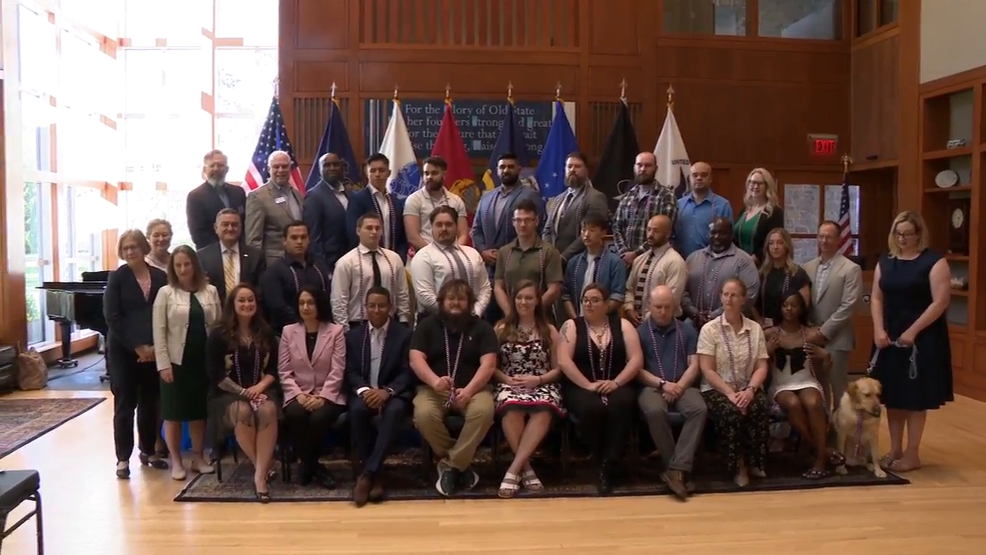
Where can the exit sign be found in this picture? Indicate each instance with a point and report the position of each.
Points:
(823, 146)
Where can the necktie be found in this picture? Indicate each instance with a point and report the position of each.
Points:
(561, 209)
(229, 271)
(377, 277)
(460, 270)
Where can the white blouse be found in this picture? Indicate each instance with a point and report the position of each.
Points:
(736, 354)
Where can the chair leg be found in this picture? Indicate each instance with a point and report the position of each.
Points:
(495, 450)
(39, 522)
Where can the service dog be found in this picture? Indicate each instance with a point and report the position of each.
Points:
(857, 426)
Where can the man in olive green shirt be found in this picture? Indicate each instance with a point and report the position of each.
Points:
(527, 258)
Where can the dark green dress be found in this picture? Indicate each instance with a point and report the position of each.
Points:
(184, 399)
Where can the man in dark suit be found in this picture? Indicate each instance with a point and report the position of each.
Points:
(380, 379)
(228, 262)
(374, 199)
(567, 210)
(205, 201)
(325, 212)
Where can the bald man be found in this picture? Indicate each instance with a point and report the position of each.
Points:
(662, 265)
(646, 199)
(670, 371)
(697, 209)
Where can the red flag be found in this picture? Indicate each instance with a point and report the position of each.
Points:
(459, 178)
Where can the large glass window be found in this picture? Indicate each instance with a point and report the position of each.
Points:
(800, 19)
(713, 17)
(80, 243)
(255, 21)
(38, 260)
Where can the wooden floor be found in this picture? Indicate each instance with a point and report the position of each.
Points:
(88, 511)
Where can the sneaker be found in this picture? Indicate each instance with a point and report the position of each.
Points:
(448, 479)
(468, 479)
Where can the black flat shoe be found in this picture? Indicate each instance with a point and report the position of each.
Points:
(262, 496)
(156, 462)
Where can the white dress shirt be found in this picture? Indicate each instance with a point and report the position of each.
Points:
(434, 265)
(349, 292)
(382, 201)
(377, 337)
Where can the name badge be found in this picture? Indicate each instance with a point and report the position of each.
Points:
(280, 200)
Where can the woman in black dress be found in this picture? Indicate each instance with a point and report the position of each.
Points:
(600, 356)
(242, 367)
(911, 292)
(779, 277)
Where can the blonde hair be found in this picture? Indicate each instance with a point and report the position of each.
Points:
(156, 222)
(138, 236)
(790, 267)
(907, 217)
(770, 190)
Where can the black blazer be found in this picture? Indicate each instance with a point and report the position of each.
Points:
(127, 312)
(764, 226)
(326, 220)
(361, 202)
(395, 369)
(201, 207)
(252, 266)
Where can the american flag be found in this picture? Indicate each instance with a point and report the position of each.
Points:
(272, 137)
(845, 224)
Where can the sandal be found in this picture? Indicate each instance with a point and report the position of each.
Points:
(816, 474)
(836, 458)
(531, 481)
(887, 460)
(509, 486)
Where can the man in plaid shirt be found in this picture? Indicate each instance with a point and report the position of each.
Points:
(646, 199)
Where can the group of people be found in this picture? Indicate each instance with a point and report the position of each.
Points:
(333, 303)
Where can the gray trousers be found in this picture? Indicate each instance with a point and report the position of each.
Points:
(838, 379)
(655, 409)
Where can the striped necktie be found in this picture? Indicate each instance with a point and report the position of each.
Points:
(229, 271)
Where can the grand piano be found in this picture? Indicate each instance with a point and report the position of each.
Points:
(76, 302)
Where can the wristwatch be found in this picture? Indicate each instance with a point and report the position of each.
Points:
(390, 391)
(661, 383)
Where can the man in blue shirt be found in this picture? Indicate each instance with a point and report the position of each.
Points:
(670, 372)
(596, 264)
(697, 210)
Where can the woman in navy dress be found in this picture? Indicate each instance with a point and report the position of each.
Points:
(911, 291)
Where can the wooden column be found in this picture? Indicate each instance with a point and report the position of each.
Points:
(909, 103)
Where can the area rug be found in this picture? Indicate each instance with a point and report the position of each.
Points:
(25, 420)
(406, 482)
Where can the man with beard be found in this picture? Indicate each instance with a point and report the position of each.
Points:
(454, 355)
(285, 278)
(444, 260)
(374, 199)
(662, 265)
(646, 199)
(325, 211)
(420, 205)
(566, 211)
(710, 267)
(204, 202)
(271, 207)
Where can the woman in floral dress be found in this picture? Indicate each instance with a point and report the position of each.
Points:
(527, 394)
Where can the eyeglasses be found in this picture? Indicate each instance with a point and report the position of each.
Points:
(907, 235)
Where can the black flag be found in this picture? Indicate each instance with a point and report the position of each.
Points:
(614, 176)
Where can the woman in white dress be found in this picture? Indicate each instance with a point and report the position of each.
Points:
(795, 367)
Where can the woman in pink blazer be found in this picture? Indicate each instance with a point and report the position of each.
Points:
(312, 364)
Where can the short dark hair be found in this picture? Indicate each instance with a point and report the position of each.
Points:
(832, 223)
(436, 161)
(378, 157)
(578, 155)
(368, 216)
(526, 205)
(379, 290)
(323, 308)
(593, 219)
(507, 156)
(597, 287)
(443, 209)
(295, 223)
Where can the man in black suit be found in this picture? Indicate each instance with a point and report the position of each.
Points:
(228, 262)
(374, 199)
(325, 211)
(380, 380)
(205, 201)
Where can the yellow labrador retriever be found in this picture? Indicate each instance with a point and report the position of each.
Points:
(857, 426)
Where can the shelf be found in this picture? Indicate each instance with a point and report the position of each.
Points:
(947, 153)
(956, 189)
(948, 117)
(957, 257)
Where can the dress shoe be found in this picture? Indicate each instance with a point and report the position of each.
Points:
(377, 492)
(675, 482)
(605, 481)
(361, 491)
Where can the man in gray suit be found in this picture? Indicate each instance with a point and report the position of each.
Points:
(566, 211)
(836, 283)
(271, 207)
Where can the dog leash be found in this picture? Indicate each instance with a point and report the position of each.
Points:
(912, 370)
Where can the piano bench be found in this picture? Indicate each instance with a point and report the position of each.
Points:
(16, 487)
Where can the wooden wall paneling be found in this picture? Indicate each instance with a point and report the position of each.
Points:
(908, 98)
(975, 385)
(875, 111)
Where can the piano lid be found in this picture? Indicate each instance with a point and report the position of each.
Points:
(84, 287)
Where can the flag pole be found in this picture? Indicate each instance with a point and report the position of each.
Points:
(846, 162)
(277, 87)
(670, 98)
(396, 96)
(558, 92)
(510, 92)
(448, 93)
(623, 90)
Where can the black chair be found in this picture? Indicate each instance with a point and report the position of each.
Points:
(455, 423)
(16, 487)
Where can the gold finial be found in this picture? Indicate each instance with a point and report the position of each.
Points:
(846, 162)
(623, 90)
(277, 86)
(558, 91)
(396, 88)
(332, 90)
(510, 91)
(448, 92)
(670, 96)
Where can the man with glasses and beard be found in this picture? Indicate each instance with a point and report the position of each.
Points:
(646, 199)
(204, 202)
(421, 203)
(325, 211)
(454, 355)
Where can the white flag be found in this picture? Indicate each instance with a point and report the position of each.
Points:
(396, 145)
(673, 165)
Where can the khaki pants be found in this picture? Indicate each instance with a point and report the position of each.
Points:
(429, 419)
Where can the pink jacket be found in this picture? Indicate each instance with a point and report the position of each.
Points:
(323, 374)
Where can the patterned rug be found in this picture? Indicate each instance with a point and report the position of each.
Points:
(405, 480)
(25, 420)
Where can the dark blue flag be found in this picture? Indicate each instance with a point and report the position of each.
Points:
(335, 139)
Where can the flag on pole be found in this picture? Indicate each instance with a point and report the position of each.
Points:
(459, 177)
(335, 139)
(550, 171)
(845, 222)
(510, 141)
(273, 137)
(396, 145)
(614, 176)
(673, 164)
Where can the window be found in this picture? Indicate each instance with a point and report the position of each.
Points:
(718, 17)
(179, 22)
(888, 12)
(83, 70)
(102, 15)
(38, 259)
(865, 16)
(38, 55)
(255, 21)
(806, 206)
(800, 19)
(37, 115)
(186, 77)
(80, 232)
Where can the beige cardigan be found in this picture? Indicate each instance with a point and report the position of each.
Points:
(170, 319)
